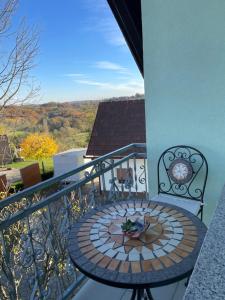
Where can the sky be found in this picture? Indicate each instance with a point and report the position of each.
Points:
(83, 55)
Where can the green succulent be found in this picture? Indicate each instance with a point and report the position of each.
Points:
(129, 226)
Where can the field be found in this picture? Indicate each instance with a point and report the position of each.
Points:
(48, 165)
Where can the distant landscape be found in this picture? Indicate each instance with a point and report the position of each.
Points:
(69, 123)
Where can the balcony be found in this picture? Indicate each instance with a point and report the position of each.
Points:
(35, 224)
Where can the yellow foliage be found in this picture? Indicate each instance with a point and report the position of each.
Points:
(38, 146)
(3, 130)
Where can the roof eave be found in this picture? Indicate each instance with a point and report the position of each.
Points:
(129, 21)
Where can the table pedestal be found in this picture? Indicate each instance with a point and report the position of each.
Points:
(141, 294)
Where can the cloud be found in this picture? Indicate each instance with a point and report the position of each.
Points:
(132, 86)
(103, 21)
(108, 65)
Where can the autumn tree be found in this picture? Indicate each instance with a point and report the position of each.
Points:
(18, 50)
(38, 146)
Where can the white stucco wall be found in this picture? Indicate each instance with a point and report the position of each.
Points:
(184, 66)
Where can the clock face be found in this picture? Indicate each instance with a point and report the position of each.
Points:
(180, 171)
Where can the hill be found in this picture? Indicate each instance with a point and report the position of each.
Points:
(69, 123)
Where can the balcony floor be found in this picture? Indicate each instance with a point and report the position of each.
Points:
(96, 291)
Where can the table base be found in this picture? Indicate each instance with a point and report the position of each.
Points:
(141, 294)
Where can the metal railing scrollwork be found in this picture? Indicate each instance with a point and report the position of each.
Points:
(35, 223)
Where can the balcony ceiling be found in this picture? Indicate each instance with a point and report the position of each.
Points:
(128, 16)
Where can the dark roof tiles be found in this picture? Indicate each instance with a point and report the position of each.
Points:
(117, 124)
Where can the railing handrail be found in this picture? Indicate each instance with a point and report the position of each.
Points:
(54, 197)
(42, 185)
(37, 224)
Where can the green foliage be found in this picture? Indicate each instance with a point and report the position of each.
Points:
(48, 163)
(70, 124)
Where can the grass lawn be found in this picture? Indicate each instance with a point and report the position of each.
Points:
(48, 165)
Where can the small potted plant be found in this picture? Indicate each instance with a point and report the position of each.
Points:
(132, 229)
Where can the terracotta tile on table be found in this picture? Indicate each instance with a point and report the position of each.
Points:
(133, 243)
(185, 223)
(85, 243)
(180, 252)
(185, 247)
(149, 246)
(87, 225)
(177, 259)
(124, 267)
(189, 243)
(83, 238)
(190, 232)
(87, 248)
(172, 212)
(146, 265)
(117, 238)
(83, 233)
(104, 262)
(91, 253)
(156, 264)
(135, 267)
(84, 229)
(187, 227)
(178, 215)
(190, 238)
(127, 249)
(97, 258)
(180, 219)
(113, 264)
(166, 261)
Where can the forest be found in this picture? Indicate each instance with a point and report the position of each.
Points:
(69, 123)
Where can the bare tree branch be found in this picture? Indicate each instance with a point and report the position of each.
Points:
(16, 84)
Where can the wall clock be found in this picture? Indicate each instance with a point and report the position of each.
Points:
(180, 171)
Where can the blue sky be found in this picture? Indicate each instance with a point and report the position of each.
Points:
(83, 54)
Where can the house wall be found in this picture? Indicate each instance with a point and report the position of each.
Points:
(184, 66)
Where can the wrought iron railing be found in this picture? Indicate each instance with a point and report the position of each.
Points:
(34, 223)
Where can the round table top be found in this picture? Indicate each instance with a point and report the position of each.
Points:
(165, 253)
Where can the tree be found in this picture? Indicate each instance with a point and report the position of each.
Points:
(16, 57)
(38, 146)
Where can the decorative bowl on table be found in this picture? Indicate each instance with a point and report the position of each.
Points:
(133, 229)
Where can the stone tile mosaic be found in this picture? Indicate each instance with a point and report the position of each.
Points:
(169, 238)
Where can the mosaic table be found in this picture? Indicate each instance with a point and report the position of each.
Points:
(164, 254)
